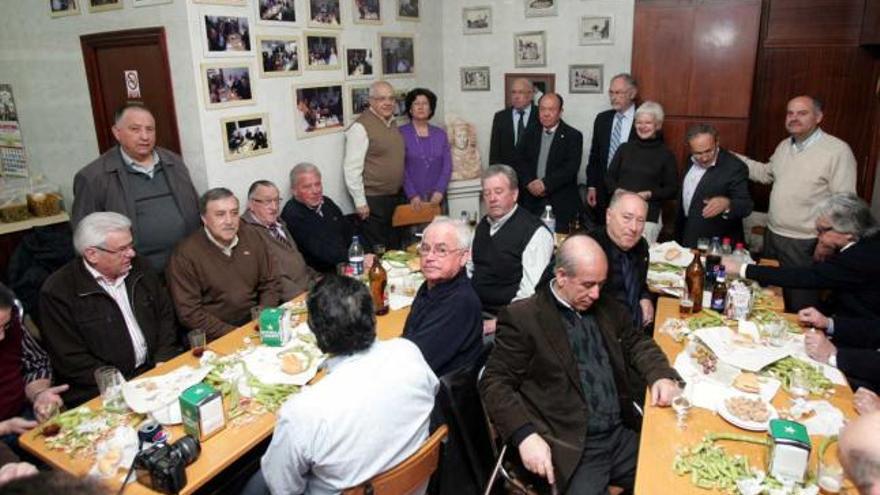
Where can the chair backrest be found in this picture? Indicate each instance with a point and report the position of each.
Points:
(409, 475)
(407, 215)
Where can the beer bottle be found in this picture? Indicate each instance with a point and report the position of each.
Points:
(379, 285)
(694, 277)
(719, 292)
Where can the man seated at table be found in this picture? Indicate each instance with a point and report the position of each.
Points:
(294, 276)
(26, 389)
(511, 247)
(106, 307)
(445, 319)
(847, 228)
(218, 274)
(859, 452)
(556, 383)
(848, 344)
(627, 254)
(369, 413)
(319, 228)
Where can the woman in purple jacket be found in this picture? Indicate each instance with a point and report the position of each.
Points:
(428, 163)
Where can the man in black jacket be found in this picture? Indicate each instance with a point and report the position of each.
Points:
(509, 125)
(548, 159)
(105, 308)
(714, 193)
(849, 344)
(847, 228)
(610, 129)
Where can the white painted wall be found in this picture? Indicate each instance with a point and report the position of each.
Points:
(496, 51)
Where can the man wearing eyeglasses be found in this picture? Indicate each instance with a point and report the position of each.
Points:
(715, 191)
(445, 320)
(263, 215)
(106, 307)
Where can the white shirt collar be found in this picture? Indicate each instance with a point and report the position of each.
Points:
(552, 129)
(496, 224)
(227, 250)
(101, 279)
(140, 168)
(559, 298)
(629, 112)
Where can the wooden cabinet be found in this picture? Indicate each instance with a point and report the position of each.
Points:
(870, 34)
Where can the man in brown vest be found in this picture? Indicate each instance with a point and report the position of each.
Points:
(373, 166)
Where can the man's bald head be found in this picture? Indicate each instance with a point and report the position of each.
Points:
(581, 270)
(860, 452)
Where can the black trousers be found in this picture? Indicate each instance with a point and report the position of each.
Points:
(792, 253)
(608, 459)
(377, 228)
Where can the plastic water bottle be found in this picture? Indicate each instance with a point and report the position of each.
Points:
(356, 257)
(548, 218)
(740, 255)
(726, 248)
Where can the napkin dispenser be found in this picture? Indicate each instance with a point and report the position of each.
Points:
(789, 450)
(273, 330)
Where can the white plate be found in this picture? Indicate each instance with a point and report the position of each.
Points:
(741, 423)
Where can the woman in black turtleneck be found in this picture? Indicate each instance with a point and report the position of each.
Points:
(645, 165)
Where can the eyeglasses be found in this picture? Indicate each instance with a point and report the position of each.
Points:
(438, 249)
(274, 201)
(122, 250)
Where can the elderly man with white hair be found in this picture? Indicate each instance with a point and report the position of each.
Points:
(646, 166)
(445, 321)
(860, 453)
(106, 307)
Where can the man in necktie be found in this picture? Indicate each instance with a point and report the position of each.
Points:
(610, 129)
(548, 159)
(262, 215)
(509, 125)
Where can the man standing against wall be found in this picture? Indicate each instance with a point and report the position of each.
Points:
(373, 166)
(510, 124)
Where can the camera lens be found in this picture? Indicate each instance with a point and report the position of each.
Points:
(189, 449)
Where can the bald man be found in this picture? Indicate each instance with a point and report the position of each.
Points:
(556, 382)
(807, 167)
(510, 124)
(860, 453)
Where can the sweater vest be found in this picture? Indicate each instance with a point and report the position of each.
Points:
(383, 163)
(497, 258)
(12, 397)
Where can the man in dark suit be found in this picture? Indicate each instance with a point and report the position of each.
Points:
(846, 228)
(556, 383)
(547, 163)
(510, 124)
(715, 191)
(610, 129)
(848, 344)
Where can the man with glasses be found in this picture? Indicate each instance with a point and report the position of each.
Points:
(715, 191)
(510, 124)
(264, 207)
(845, 227)
(445, 320)
(106, 307)
(511, 247)
(373, 166)
(610, 129)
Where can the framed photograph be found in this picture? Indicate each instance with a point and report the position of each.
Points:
(358, 100)
(280, 56)
(319, 109)
(147, 3)
(104, 5)
(398, 55)
(325, 14)
(277, 12)
(63, 8)
(322, 50)
(222, 2)
(530, 49)
(476, 20)
(400, 106)
(597, 30)
(540, 8)
(227, 85)
(543, 83)
(245, 136)
(358, 63)
(475, 78)
(585, 78)
(227, 36)
(366, 12)
(408, 10)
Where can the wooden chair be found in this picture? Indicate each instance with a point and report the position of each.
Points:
(406, 215)
(411, 474)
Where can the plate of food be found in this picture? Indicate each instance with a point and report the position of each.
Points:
(671, 253)
(749, 412)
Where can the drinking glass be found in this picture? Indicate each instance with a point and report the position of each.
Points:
(703, 244)
(681, 405)
(110, 381)
(830, 477)
(197, 342)
(685, 303)
(775, 333)
(799, 386)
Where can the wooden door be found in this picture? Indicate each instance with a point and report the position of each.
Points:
(130, 66)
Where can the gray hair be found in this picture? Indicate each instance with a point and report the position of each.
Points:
(702, 128)
(214, 194)
(627, 78)
(302, 168)
(618, 196)
(462, 231)
(120, 112)
(864, 469)
(375, 87)
(527, 82)
(570, 252)
(848, 214)
(92, 230)
(652, 108)
(259, 183)
(505, 170)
